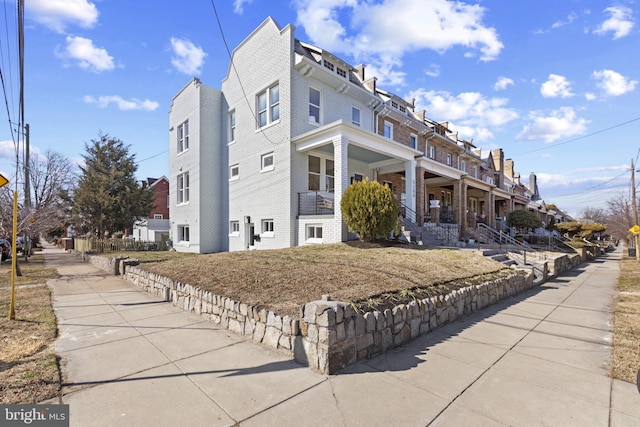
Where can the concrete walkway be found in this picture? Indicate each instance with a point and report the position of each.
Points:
(542, 358)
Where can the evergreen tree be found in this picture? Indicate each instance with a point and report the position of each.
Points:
(369, 209)
(108, 198)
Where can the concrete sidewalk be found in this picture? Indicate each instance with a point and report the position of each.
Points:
(542, 358)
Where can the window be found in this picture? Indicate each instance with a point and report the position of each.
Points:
(183, 137)
(321, 174)
(463, 166)
(355, 116)
(234, 172)
(234, 228)
(168, 201)
(475, 171)
(269, 106)
(232, 126)
(314, 232)
(183, 188)
(267, 227)
(432, 152)
(267, 162)
(314, 105)
(158, 216)
(183, 233)
(341, 72)
(413, 140)
(449, 159)
(328, 65)
(388, 129)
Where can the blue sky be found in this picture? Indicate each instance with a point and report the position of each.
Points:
(555, 84)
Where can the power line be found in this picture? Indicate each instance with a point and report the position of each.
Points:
(582, 137)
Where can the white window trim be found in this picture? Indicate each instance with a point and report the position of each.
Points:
(232, 232)
(386, 123)
(182, 147)
(237, 176)
(233, 127)
(432, 152)
(319, 106)
(323, 171)
(184, 190)
(158, 216)
(359, 123)
(415, 137)
(183, 242)
(449, 159)
(262, 228)
(313, 239)
(269, 108)
(270, 167)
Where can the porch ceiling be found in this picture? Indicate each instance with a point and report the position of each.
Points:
(357, 153)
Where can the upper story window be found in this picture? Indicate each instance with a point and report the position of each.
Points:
(267, 162)
(328, 65)
(394, 104)
(314, 105)
(475, 171)
(388, 129)
(341, 72)
(232, 126)
(463, 166)
(183, 188)
(449, 159)
(234, 172)
(269, 106)
(158, 216)
(432, 152)
(183, 137)
(402, 109)
(413, 140)
(355, 116)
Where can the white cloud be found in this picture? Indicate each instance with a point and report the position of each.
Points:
(503, 83)
(58, 14)
(187, 57)
(238, 6)
(382, 32)
(613, 83)
(433, 70)
(620, 23)
(590, 96)
(572, 17)
(472, 113)
(558, 124)
(556, 87)
(121, 103)
(88, 56)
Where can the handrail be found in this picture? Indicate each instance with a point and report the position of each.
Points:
(502, 238)
(408, 209)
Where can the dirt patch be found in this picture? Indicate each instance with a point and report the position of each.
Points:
(28, 366)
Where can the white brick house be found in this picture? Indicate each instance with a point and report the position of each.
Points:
(263, 162)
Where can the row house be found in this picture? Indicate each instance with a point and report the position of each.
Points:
(263, 162)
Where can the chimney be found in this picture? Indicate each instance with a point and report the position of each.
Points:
(533, 186)
(508, 169)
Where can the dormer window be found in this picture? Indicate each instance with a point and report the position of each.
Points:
(328, 65)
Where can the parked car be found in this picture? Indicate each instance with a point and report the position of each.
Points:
(5, 246)
(19, 244)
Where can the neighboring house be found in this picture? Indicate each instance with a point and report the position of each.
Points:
(263, 162)
(155, 228)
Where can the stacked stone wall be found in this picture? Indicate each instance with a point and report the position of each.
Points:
(329, 335)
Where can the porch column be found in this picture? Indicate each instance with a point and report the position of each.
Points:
(489, 202)
(420, 195)
(340, 182)
(460, 203)
(410, 189)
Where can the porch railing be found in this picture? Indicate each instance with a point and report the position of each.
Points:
(489, 235)
(316, 203)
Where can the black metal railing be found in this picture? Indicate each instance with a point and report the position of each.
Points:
(316, 203)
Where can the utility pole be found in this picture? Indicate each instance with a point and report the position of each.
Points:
(27, 184)
(635, 207)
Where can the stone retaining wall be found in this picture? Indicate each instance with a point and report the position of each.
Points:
(329, 335)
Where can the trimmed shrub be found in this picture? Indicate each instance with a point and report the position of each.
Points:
(369, 209)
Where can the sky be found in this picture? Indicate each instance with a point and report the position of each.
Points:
(555, 84)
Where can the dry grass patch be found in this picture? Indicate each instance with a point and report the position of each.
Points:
(28, 366)
(626, 338)
(285, 279)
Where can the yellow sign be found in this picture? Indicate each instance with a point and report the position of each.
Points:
(3, 181)
(635, 229)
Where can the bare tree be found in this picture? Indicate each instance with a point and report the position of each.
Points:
(620, 217)
(596, 215)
